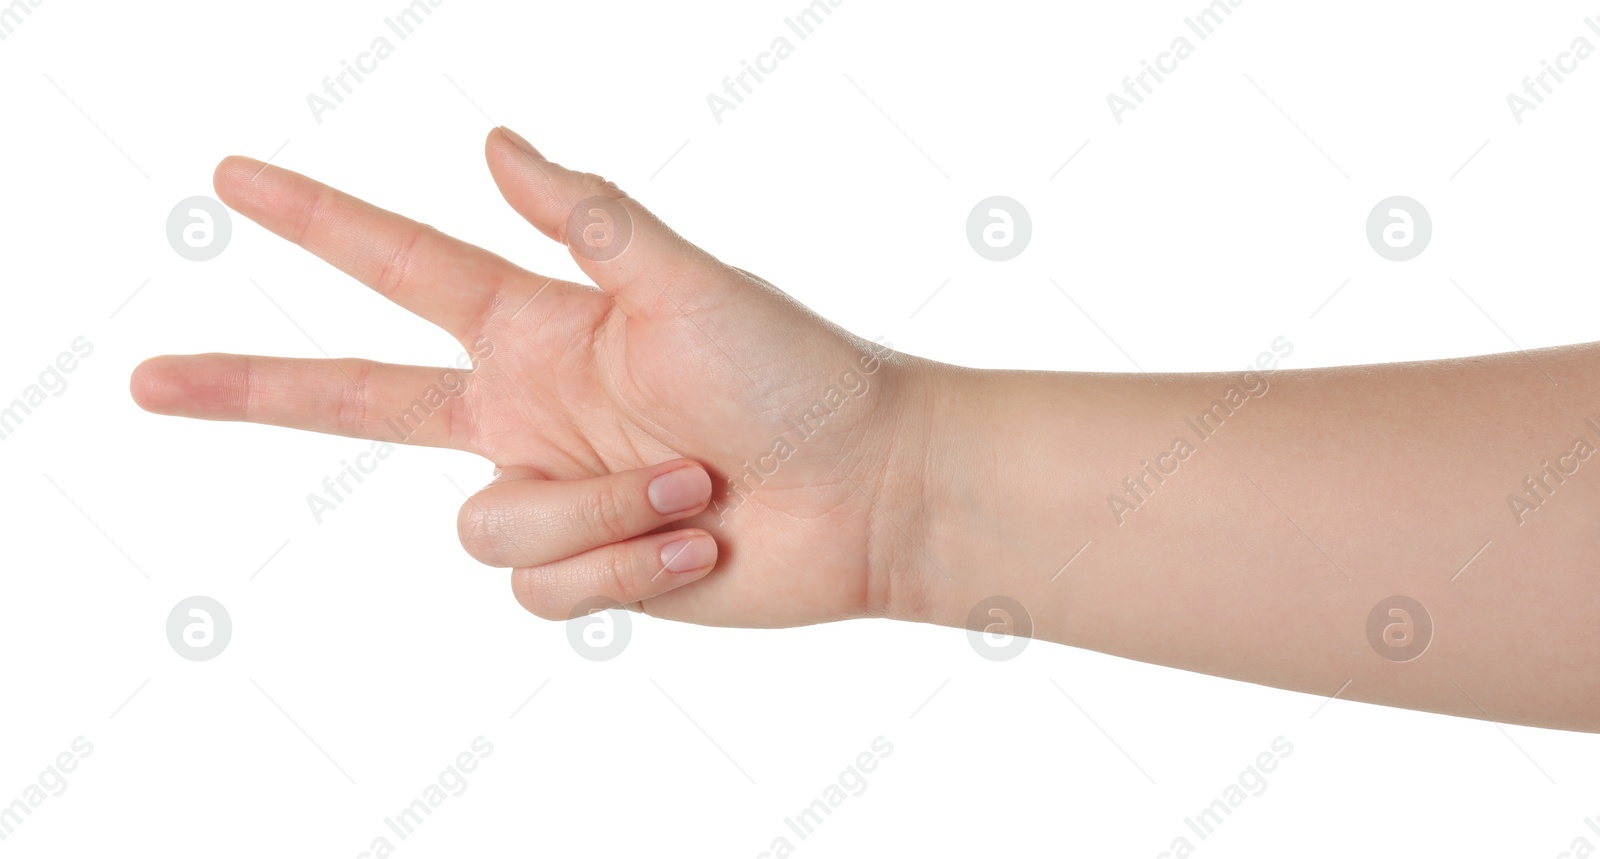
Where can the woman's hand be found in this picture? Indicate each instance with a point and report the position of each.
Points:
(686, 439)
(1276, 553)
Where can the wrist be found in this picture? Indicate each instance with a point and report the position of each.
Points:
(991, 515)
(895, 492)
(922, 535)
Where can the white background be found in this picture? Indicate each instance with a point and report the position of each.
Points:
(1195, 232)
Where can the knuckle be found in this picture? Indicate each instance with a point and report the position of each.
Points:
(595, 185)
(608, 514)
(452, 426)
(355, 401)
(527, 585)
(616, 577)
(249, 385)
(472, 526)
(492, 533)
(396, 269)
(314, 209)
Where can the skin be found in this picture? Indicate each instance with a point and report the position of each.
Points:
(647, 451)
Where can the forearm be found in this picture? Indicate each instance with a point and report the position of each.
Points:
(1253, 540)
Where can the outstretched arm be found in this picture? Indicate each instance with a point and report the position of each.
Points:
(686, 440)
(1424, 535)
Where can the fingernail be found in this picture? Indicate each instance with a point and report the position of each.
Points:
(686, 556)
(521, 143)
(679, 490)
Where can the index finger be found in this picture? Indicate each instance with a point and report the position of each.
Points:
(444, 280)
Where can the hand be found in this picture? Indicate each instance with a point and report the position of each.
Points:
(686, 439)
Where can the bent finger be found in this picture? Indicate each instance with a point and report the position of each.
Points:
(621, 574)
(528, 522)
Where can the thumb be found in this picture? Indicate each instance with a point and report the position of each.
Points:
(650, 270)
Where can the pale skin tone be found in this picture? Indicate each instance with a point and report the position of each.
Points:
(618, 415)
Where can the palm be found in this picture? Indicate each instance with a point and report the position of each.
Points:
(679, 356)
(583, 391)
